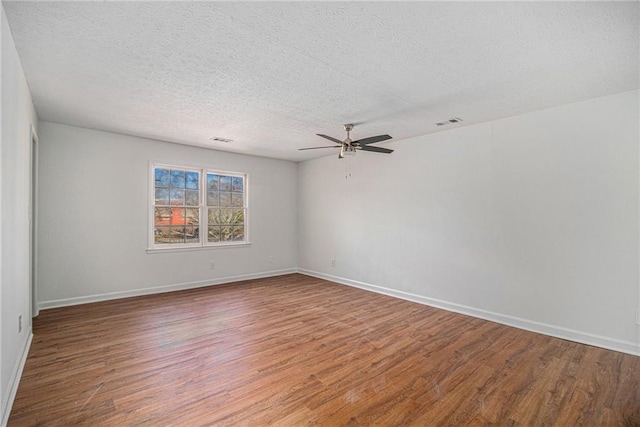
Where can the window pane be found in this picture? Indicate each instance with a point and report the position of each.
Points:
(225, 216)
(162, 216)
(237, 217)
(176, 197)
(214, 234)
(231, 216)
(176, 235)
(162, 177)
(226, 234)
(213, 216)
(192, 180)
(237, 184)
(212, 182)
(238, 233)
(225, 199)
(212, 198)
(192, 216)
(192, 234)
(191, 197)
(162, 234)
(237, 200)
(225, 183)
(177, 216)
(177, 179)
(162, 196)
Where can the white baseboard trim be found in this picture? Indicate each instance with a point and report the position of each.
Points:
(517, 322)
(43, 305)
(14, 382)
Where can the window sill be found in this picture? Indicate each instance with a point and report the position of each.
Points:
(196, 248)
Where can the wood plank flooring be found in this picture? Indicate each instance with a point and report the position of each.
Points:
(296, 350)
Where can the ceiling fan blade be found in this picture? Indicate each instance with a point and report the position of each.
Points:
(315, 148)
(372, 139)
(330, 138)
(376, 149)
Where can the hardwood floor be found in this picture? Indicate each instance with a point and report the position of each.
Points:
(294, 350)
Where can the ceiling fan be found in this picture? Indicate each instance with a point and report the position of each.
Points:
(349, 147)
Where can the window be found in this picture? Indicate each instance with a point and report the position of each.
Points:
(197, 207)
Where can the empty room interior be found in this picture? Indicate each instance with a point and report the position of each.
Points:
(330, 213)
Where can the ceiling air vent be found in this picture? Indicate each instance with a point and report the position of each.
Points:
(217, 139)
(449, 122)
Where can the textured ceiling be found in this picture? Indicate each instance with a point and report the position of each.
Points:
(270, 76)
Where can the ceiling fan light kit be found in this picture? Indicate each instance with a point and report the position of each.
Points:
(348, 147)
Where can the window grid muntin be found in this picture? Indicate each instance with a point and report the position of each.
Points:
(226, 222)
(233, 231)
(175, 220)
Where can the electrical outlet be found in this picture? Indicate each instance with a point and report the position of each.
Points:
(19, 323)
(270, 261)
(638, 316)
(333, 262)
(212, 265)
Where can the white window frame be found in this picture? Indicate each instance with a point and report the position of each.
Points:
(152, 246)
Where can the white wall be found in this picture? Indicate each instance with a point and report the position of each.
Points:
(17, 117)
(530, 221)
(93, 218)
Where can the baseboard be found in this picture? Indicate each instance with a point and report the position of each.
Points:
(14, 382)
(43, 305)
(517, 322)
